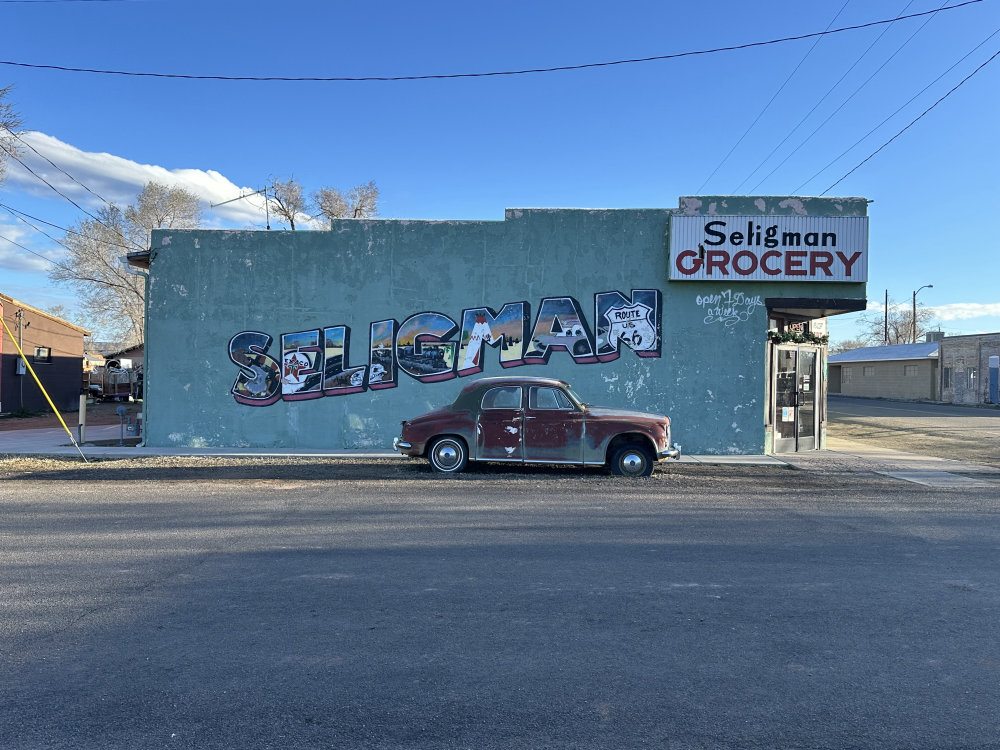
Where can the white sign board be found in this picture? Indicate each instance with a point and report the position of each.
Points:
(769, 248)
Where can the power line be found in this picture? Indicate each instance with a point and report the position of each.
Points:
(14, 156)
(448, 76)
(56, 166)
(900, 109)
(842, 104)
(28, 249)
(18, 214)
(914, 122)
(822, 99)
(771, 100)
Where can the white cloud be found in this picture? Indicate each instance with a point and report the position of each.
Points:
(965, 310)
(119, 180)
(13, 257)
(953, 311)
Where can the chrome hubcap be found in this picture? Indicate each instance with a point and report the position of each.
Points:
(633, 463)
(446, 455)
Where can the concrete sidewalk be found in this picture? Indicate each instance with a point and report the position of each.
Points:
(930, 471)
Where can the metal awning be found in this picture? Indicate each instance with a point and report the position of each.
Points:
(140, 259)
(814, 307)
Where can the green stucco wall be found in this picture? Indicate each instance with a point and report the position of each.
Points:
(207, 286)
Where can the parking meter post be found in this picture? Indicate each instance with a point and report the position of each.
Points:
(121, 411)
(82, 428)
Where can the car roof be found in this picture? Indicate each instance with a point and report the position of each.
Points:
(512, 380)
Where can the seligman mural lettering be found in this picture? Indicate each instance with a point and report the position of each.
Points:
(431, 346)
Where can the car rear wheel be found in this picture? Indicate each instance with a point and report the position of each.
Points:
(632, 460)
(448, 455)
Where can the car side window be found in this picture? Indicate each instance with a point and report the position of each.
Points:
(503, 397)
(548, 398)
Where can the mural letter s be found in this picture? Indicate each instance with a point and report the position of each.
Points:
(259, 381)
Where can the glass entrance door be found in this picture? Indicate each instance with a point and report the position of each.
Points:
(795, 384)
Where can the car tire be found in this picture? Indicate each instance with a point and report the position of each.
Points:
(448, 455)
(632, 460)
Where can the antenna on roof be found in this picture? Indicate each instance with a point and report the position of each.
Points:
(267, 212)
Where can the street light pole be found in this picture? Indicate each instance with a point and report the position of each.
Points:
(925, 286)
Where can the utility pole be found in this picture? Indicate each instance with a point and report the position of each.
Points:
(20, 343)
(925, 286)
(885, 338)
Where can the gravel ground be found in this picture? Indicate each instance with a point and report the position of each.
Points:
(199, 468)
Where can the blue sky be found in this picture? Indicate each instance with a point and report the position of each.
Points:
(626, 136)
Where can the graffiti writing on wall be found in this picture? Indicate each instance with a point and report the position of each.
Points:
(430, 346)
(728, 307)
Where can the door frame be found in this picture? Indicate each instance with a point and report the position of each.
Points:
(816, 387)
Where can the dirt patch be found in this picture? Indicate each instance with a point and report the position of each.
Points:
(939, 438)
(97, 414)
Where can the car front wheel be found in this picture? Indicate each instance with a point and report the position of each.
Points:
(632, 461)
(448, 455)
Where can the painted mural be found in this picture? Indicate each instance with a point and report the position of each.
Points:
(430, 346)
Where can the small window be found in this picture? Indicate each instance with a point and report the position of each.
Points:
(548, 398)
(503, 397)
(869, 371)
(910, 370)
(946, 377)
(845, 374)
(971, 374)
(43, 355)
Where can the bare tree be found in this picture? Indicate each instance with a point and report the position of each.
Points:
(361, 202)
(110, 297)
(847, 345)
(331, 203)
(287, 200)
(70, 316)
(10, 124)
(895, 328)
(161, 207)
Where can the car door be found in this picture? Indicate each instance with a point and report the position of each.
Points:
(500, 424)
(553, 427)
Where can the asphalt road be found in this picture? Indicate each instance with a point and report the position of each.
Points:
(961, 433)
(235, 606)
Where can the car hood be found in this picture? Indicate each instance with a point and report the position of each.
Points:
(441, 411)
(606, 411)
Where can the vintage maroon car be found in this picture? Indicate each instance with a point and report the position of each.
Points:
(535, 420)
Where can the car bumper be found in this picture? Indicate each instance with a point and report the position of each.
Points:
(674, 451)
(398, 444)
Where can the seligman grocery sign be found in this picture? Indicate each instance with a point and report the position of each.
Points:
(769, 248)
